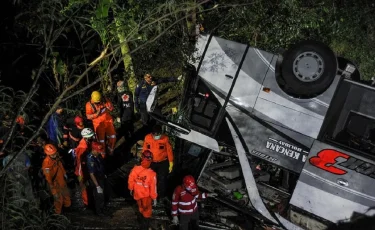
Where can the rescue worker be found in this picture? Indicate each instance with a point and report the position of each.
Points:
(98, 110)
(142, 185)
(55, 127)
(162, 162)
(95, 168)
(55, 175)
(142, 91)
(184, 203)
(88, 136)
(126, 105)
(72, 132)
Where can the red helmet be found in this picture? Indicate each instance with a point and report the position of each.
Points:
(78, 120)
(96, 146)
(50, 149)
(189, 182)
(147, 155)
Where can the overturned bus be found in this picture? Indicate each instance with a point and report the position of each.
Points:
(288, 139)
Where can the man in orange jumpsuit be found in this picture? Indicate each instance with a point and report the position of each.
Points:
(162, 162)
(98, 110)
(142, 186)
(88, 136)
(55, 175)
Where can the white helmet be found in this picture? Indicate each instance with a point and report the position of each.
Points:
(87, 132)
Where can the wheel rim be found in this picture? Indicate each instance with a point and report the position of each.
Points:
(308, 67)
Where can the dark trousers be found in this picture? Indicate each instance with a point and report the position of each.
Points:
(144, 114)
(127, 129)
(161, 169)
(189, 220)
(98, 197)
(144, 223)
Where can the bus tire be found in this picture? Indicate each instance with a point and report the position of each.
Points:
(308, 69)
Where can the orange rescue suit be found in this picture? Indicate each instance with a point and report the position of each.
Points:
(102, 121)
(81, 155)
(161, 149)
(143, 182)
(54, 172)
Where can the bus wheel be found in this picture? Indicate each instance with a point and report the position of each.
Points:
(308, 69)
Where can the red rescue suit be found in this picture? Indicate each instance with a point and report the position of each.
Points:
(185, 202)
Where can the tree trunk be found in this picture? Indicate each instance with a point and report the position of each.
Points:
(126, 57)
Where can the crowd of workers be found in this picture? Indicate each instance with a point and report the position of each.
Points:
(89, 146)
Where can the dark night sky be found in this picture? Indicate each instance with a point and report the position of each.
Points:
(16, 57)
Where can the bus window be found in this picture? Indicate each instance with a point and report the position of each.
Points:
(351, 117)
(205, 107)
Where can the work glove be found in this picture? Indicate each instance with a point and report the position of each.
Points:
(65, 143)
(170, 167)
(155, 203)
(211, 194)
(131, 192)
(118, 120)
(99, 189)
(80, 178)
(175, 220)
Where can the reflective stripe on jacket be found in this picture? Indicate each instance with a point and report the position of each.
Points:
(185, 202)
(143, 182)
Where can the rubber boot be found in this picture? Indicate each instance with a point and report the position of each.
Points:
(146, 223)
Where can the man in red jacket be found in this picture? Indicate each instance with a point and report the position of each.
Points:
(184, 203)
(142, 186)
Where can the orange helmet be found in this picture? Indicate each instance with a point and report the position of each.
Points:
(20, 120)
(50, 149)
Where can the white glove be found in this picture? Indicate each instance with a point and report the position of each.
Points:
(118, 120)
(175, 220)
(99, 189)
(131, 192)
(211, 194)
(179, 78)
(155, 203)
(73, 152)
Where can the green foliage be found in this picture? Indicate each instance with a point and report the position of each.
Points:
(348, 27)
(20, 211)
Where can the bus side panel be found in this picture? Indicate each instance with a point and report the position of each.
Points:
(334, 183)
(266, 142)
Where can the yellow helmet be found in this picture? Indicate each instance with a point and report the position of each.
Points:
(96, 97)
